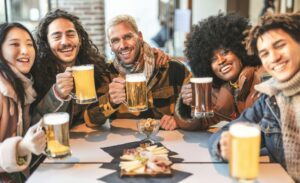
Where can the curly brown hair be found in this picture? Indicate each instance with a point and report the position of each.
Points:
(213, 33)
(288, 22)
(49, 64)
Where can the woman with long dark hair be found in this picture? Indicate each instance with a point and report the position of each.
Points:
(17, 57)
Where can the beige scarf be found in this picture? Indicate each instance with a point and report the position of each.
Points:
(289, 104)
(145, 63)
(30, 95)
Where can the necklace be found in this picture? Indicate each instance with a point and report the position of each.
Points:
(234, 85)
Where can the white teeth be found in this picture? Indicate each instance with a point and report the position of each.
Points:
(65, 50)
(23, 60)
(125, 52)
(225, 68)
(279, 67)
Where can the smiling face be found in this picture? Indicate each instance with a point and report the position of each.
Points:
(279, 54)
(63, 40)
(226, 65)
(18, 49)
(125, 42)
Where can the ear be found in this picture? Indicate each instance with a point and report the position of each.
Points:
(140, 35)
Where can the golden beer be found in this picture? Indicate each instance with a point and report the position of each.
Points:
(84, 84)
(244, 151)
(201, 92)
(136, 92)
(57, 133)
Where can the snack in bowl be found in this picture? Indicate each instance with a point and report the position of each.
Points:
(148, 126)
(146, 160)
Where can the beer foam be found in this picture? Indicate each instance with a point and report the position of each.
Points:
(139, 77)
(201, 80)
(83, 67)
(244, 130)
(56, 118)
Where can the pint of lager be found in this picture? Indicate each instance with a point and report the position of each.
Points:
(84, 84)
(57, 133)
(244, 151)
(201, 103)
(136, 92)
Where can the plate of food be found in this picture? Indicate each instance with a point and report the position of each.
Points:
(145, 160)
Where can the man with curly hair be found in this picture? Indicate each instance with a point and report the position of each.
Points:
(276, 40)
(215, 49)
(62, 43)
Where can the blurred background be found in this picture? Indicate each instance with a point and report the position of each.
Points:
(164, 23)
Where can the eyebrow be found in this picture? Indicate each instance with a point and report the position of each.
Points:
(15, 39)
(275, 43)
(58, 32)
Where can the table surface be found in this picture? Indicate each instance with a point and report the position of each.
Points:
(87, 157)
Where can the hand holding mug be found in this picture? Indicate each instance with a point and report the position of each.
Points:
(117, 94)
(225, 145)
(186, 94)
(64, 83)
(34, 141)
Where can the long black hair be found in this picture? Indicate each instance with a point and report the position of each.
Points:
(50, 65)
(4, 67)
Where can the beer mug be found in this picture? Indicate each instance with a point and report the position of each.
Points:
(136, 92)
(244, 151)
(201, 102)
(85, 92)
(57, 133)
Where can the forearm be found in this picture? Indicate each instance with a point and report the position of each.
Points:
(49, 103)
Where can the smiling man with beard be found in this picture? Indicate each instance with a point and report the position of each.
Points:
(215, 49)
(62, 43)
(164, 77)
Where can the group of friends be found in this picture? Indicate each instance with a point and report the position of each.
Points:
(254, 69)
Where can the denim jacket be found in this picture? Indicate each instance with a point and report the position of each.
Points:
(265, 113)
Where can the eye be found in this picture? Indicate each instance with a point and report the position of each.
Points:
(127, 37)
(263, 54)
(114, 41)
(213, 59)
(14, 44)
(224, 52)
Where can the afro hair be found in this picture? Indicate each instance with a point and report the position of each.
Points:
(217, 32)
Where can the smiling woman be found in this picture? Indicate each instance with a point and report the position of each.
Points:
(214, 49)
(18, 53)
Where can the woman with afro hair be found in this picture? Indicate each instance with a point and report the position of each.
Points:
(215, 49)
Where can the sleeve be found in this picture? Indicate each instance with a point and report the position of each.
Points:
(96, 115)
(223, 110)
(253, 114)
(8, 156)
(51, 102)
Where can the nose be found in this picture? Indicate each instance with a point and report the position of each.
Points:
(122, 43)
(24, 49)
(64, 40)
(220, 59)
(274, 56)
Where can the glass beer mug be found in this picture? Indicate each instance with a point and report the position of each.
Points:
(85, 92)
(57, 133)
(244, 151)
(201, 102)
(136, 92)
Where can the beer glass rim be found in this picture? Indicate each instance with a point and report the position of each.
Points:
(135, 77)
(49, 116)
(201, 79)
(82, 67)
(244, 129)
